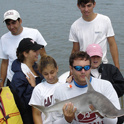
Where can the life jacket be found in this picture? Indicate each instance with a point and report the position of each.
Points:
(9, 113)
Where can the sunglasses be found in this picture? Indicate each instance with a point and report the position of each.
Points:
(79, 68)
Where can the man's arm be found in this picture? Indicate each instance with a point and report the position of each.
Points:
(114, 51)
(42, 51)
(76, 47)
(4, 66)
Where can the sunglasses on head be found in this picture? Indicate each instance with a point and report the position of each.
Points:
(79, 68)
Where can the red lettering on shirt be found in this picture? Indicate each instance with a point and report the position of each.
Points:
(48, 101)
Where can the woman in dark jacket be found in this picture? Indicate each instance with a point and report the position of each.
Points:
(23, 66)
(111, 73)
(106, 71)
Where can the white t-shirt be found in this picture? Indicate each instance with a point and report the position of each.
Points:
(9, 44)
(42, 95)
(25, 69)
(95, 73)
(95, 31)
(64, 76)
(101, 86)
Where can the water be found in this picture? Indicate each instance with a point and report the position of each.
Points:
(53, 19)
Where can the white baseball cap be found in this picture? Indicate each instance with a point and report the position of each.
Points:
(11, 14)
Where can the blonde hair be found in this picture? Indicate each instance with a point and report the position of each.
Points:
(44, 61)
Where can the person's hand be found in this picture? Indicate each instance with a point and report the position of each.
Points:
(69, 79)
(93, 108)
(31, 79)
(69, 112)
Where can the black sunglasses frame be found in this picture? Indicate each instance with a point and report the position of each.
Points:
(81, 67)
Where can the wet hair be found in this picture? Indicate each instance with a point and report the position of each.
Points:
(20, 55)
(44, 61)
(79, 55)
(79, 2)
(8, 20)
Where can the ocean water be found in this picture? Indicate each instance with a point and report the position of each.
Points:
(53, 19)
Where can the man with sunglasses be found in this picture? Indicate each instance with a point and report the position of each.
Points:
(80, 64)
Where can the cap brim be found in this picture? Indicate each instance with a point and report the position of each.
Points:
(10, 18)
(37, 47)
(95, 54)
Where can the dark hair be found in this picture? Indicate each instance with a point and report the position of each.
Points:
(79, 55)
(8, 20)
(44, 61)
(79, 2)
(20, 55)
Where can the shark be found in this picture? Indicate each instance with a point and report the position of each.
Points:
(100, 103)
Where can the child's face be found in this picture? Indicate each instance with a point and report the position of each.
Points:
(50, 74)
(95, 61)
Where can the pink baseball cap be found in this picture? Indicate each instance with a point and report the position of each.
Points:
(94, 50)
